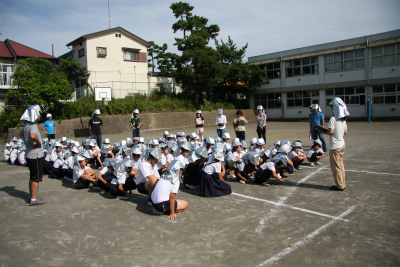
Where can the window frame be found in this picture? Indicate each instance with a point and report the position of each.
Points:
(380, 57)
(296, 67)
(338, 61)
(386, 94)
(268, 100)
(132, 52)
(81, 52)
(343, 93)
(302, 99)
(101, 54)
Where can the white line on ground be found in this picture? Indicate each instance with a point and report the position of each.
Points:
(289, 206)
(379, 173)
(308, 238)
(282, 200)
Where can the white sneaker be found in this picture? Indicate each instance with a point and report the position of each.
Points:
(279, 175)
(231, 176)
(190, 186)
(156, 212)
(312, 163)
(242, 182)
(318, 163)
(123, 197)
(102, 192)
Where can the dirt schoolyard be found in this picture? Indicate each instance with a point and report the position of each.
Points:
(297, 223)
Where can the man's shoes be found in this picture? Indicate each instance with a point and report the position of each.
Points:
(335, 188)
(38, 201)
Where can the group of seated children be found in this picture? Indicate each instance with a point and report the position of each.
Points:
(157, 169)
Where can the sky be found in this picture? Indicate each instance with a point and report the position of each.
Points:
(266, 26)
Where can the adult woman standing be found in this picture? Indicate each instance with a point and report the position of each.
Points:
(199, 122)
(337, 129)
(261, 122)
(239, 123)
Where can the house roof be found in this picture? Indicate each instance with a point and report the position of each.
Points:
(20, 50)
(4, 52)
(91, 35)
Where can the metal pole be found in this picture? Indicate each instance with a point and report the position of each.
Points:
(368, 111)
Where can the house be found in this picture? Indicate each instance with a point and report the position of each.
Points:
(360, 70)
(10, 53)
(115, 58)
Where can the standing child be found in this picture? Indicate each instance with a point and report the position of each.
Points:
(49, 127)
(220, 122)
(135, 123)
(199, 123)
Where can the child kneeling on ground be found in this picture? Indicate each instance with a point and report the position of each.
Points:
(165, 190)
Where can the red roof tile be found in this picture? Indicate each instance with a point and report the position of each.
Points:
(25, 51)
(4, 52)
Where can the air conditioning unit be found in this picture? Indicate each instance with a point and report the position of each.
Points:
(101, 51)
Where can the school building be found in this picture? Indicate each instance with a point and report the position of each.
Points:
(358, 70)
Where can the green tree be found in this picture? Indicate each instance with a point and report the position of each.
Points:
(74, 71)
(157, 55)
(36, 81)
(197, 69)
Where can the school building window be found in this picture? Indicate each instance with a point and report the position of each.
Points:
(81, 52)
(302, 98)
(386, 94)
(303, 66)
(386, 55)
(350, 95)
(268, 101)
(130, 55)
(273, 70)
(349, 60)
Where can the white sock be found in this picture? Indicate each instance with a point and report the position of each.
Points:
(33, 199)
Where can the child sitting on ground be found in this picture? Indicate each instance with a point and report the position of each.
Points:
(296, 155)
(315, 153)
(83, 175)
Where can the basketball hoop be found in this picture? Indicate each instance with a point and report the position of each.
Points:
(105, 102)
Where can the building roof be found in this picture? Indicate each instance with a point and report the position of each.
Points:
(20, 50)
(95, 34)
(4, 52)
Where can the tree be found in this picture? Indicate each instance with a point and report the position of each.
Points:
(74, 71)
(36, 81)
(207, 72)
(197, 69)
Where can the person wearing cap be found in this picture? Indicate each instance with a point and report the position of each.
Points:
(260, 145)
(83, 175)
(51, 157)
(221, 123)
(49, 127)
(122, 184)
(106, 175)
(95, 124)
(261, 122)
(315, 153)
(239, 123)
(199, 123)
(317, 118)
(337, 129)
(56, 170)
(148, 172)
(34, 152)
(164, 193)
(296, 155)
(212, 183)
(6, 152)
(135, 123)
(268, 170)
(68, 164)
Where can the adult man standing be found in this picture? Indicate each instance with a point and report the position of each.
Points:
(317, 118)
(95, 124)
(34, 152)
(135, 123)
(49, 127)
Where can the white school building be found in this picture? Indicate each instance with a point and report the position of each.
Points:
(357, 70)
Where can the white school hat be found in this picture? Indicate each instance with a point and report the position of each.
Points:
(226, 136)
(106, 141)
(260, 107)
(220, 111)
(339, 108)
(136, 111)
(260, 142)
(49, 115)
(31, 114)
(96, 112)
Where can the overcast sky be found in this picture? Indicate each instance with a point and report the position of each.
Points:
(267, 26)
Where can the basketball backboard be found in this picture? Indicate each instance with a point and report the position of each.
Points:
(102, 93)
